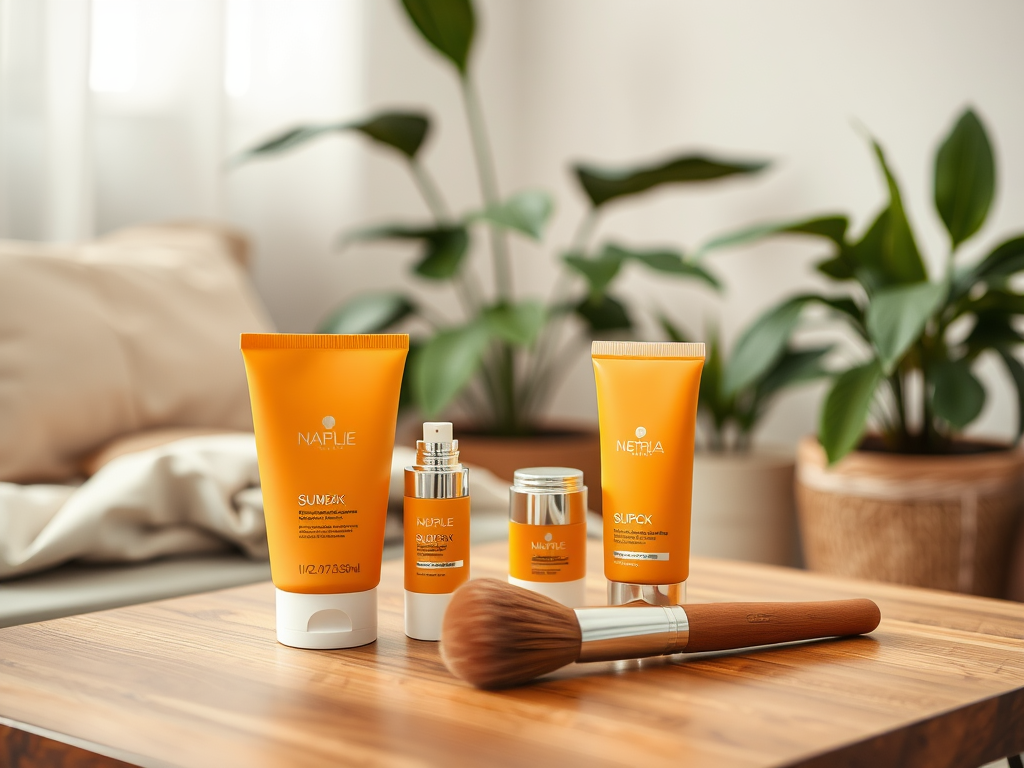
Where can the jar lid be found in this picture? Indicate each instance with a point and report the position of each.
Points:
(556, 479)
(548, 496)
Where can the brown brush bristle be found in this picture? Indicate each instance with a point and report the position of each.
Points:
(496, 635)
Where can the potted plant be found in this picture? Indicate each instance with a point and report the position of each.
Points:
(743, 506)
(502, 358)
(912, 500)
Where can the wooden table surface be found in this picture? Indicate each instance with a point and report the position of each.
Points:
(200, 681)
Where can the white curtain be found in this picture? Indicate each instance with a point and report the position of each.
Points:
(116, 112)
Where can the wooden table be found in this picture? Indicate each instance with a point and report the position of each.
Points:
(200, 681)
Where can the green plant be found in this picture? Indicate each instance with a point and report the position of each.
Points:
(503, 358)
(931, 330)
(729, 416)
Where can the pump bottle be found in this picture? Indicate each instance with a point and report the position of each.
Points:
(436, 523)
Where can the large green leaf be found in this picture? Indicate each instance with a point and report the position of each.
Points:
(527, 212)
(446, 364)
(957, 396)
(794, 367)
(762, 345)
(900, 255)
(991, 330)
(443, 247)
(604, 184)
(369, 313)
(607, 314)
(598, 272)
(448, 25)
(661, 260)
(965, 178)
(673, 331)
(830, 227)
(516, 323)
(1017, 373)
(844, 416)
(404, 131)
(1005, 260)
(897, 316)
(996, 300)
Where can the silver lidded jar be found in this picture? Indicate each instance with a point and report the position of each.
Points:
(548, 533)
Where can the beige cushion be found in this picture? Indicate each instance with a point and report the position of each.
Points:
(134, 331)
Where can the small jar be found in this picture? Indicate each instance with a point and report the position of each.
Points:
(547, 533)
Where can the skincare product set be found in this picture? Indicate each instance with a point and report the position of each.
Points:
(325, 407)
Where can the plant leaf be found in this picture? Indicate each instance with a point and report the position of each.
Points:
(991, 330)
(1017, 373)
(957, 396)
(794, 367)
(527, 212)
(604, 184)
(1005, 260)
(900, 255)
(368, 313)
(446, 364)
(761, 345)
(830, 227)
(404, 131)
(662, 260)
(598, 272)
(996, 300)
(844, 416)
(897, 316)
(608, 314)
(965, 178)
(516, 323)
(448, 25)
(444, 248)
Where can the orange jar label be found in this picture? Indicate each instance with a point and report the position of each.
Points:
(547, 552)
(436, 544)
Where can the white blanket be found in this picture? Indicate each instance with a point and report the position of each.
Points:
(194, 495)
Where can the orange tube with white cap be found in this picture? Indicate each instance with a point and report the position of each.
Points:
(324, 408)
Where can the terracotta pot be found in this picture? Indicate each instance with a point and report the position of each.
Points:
(557, 446)
(743, 506)
(945, 522)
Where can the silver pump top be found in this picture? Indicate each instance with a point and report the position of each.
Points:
(437, 473)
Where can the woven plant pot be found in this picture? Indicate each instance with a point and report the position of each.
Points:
(945, 522)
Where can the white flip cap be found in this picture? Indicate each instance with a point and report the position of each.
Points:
(321, 622)
(437, 432)
(571, 594)
(424, 614)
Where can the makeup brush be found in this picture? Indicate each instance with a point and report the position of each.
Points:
(497, 635)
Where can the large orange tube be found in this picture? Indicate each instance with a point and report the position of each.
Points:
(647, 408)
(324, 409)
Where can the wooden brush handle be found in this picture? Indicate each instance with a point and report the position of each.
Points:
(722, 626)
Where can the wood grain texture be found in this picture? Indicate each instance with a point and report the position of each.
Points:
(725, 626)
(200, 681)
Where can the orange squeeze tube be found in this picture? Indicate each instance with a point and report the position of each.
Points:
(647, 410)
(324, 408)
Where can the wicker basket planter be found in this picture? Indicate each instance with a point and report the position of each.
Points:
(945, 522)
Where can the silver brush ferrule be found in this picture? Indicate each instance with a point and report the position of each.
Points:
(632, 632)
(437, 473)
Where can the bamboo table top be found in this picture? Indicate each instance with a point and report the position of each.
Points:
(200, 681)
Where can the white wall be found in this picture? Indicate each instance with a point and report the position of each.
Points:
(614, 82)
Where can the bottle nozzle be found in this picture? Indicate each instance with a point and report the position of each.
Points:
(437, 431)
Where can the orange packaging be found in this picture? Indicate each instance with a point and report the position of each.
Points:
(324, 411)
(647, 409)
(549, 553)
(437, 551)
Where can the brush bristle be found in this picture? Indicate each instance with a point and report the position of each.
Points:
(496, 635)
